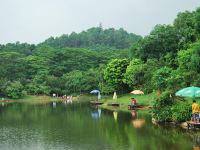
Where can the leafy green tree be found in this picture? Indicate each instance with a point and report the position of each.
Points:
(35, 65)
(55, 84)
(73, 82)
(38, 84)
(67, 60)
(91, 79)
(161, 78)
(135, 74)
(189, 63)
(37, 89)
(12, 65)
(197, 20)
(15, 90)
(185, 26)
(3, 85)
(162, 39)
(114, 73)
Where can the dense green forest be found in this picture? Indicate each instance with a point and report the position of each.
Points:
(95, 38)
(65, 65)
(107, 59)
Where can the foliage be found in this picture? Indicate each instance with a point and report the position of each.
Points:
(15, 90)
(162, 107)
(109, 60)
(162, 39)
(161, 77)
(114, 73)
(134, 75)
(166, 108)
(12, 65)
(38, 84)
(94, 37)
(185, 25)
(181, 112)
(189, 63)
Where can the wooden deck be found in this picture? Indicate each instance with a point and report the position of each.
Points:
(192, 124)
(96, 103)
(114, 104)
(135, 107)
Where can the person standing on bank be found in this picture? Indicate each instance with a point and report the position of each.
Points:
(195, 111)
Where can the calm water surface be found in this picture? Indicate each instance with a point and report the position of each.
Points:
(80, 127)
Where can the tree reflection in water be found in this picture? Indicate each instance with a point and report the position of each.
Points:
(196, 143)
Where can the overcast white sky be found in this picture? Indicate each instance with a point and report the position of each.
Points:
(33, 21)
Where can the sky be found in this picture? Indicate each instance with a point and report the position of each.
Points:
(33, 21)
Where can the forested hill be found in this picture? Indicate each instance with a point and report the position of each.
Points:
(94, 38)
(109, 60)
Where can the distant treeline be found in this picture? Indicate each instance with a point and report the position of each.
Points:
(94, 38)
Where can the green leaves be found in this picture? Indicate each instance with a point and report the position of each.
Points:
(161, 77)
(114, 73)
(12, 65)
(135, 73)
(15, 90)
(162, 39)
(95, 37)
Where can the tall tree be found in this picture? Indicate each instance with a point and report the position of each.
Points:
(114, 73)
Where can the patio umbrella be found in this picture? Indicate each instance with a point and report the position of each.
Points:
(95, 92)
(137, 92)
(189, 92)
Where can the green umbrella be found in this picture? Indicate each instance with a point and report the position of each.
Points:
(189, 92)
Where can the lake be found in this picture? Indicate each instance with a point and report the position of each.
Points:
(79, 126)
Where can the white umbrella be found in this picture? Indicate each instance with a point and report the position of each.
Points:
(137, 92)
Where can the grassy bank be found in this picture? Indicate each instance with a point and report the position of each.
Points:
(42, 99)
(32, 99)
(125, 100)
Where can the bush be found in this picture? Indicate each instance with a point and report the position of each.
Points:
(15, 90)
(162, 114)
(181, 111)
(165, 109)
(163, 100)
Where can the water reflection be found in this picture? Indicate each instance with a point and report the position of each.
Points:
(196, 143)
(99, 111)
(30, 127)
(134, 114)
(138, 123)
(96, 112)
(115, 115)
(54, 104)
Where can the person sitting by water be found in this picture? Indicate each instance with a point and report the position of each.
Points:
(195, 111)
(133, 102)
